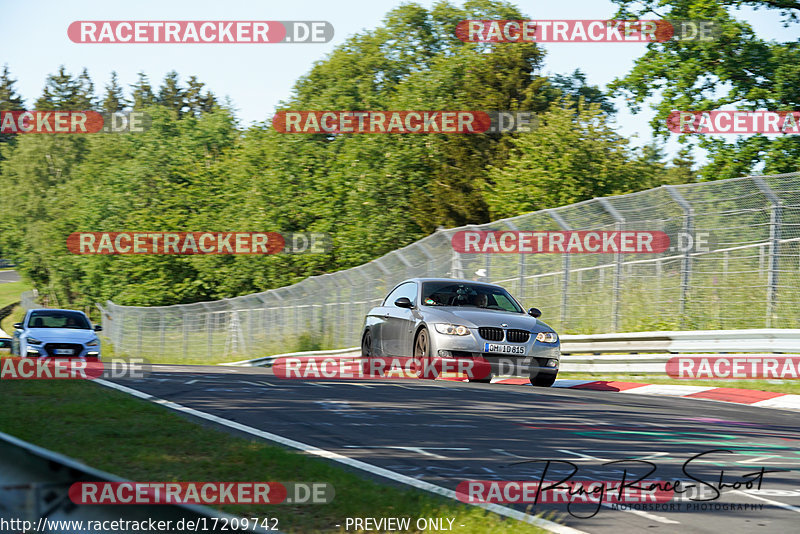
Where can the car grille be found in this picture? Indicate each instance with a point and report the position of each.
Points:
(76, 349)
(518, 336)
(491, 333)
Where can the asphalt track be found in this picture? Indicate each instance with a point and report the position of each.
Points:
(446, 432)
(9, 276)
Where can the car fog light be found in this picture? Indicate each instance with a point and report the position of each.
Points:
(445, 353)
(552, 363)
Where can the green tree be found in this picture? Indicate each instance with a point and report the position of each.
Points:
(114, 99)
(737, 68)
(142, 93)
(63, 91)
(171, 95)
(572, 156)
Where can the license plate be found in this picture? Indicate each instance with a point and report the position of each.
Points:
(64, 352)
(503, 349)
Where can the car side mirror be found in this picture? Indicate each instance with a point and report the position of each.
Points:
(535, 312)
(403, 302)
(18, 326)
(98, 328)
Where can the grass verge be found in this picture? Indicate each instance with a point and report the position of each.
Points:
(779, 386)
(140, 441)
(10, 292)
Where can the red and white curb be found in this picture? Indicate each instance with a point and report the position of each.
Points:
(763, 399)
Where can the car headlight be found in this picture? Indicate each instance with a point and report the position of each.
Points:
(93, 343)
(33, 341)
(452, 329)
(546, 337)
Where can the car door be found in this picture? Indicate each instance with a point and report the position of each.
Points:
(399, 324)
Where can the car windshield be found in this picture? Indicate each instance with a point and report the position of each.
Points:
(58, 319)
(468, 295)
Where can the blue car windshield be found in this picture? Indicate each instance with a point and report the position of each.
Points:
(468, 295)
(58, 319)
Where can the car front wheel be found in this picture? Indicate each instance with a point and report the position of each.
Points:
(366, 352)
(422, 344)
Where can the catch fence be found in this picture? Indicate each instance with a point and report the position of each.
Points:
(746, 278)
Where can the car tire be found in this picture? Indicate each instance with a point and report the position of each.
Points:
(543, 380)
(366, 352)
(481, 380)
(422, 348)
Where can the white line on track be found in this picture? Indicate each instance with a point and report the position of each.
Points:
(251, 383)
(358, 464)
(770, 501)
(584, 456)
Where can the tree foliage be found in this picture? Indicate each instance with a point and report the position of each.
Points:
(738, 69)
(196, 169)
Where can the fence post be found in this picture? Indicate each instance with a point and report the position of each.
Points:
(431, 259)
(362, 309)
(615, 303)
(408, 267)
(775, 221)
(565, 282)
(520, 264)
(688, 229)
(163, 328)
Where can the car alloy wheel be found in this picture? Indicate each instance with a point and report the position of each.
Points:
(422, 354)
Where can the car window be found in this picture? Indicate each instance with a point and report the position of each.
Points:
(409, 290)
(58, 319)
(468, 295)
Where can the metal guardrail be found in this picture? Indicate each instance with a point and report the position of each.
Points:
(746, 340)
(34, 485)
(644, 352)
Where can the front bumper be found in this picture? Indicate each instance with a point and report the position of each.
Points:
(537, 357)
(48, 350)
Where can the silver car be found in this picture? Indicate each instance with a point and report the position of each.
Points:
(448, 319)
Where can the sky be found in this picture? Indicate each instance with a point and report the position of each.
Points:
(256, 77)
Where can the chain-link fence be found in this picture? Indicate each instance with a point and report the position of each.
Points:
(747, 278)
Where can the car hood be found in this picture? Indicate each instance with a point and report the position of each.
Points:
(474, 318)
(61, 335)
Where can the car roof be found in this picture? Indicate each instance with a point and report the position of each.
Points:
(55, 310)
(454, 280)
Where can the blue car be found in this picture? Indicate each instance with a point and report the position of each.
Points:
(56, 334)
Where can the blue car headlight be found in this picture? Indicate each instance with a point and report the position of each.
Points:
(93, 343)
(452, 329)
(34, 341)
(546, 337)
